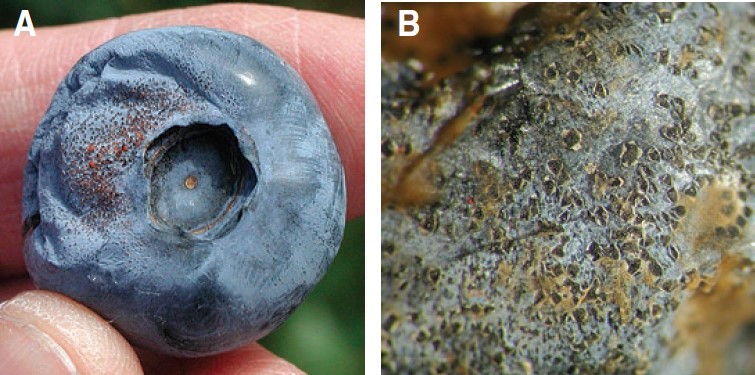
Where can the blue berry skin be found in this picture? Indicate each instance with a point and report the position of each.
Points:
(184, 185)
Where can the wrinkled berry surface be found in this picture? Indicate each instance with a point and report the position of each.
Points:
(184, 185)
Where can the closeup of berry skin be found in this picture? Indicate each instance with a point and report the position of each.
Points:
(577, 200)
(184, 185)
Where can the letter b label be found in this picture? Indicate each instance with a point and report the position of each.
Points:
(404, 23)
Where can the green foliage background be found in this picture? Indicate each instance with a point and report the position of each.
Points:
(326, 333)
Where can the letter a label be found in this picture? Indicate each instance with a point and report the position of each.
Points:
(24, 24)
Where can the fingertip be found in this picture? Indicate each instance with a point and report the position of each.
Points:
(332, 63)
(41, 328)
(250, 359)
(24, 349)
(254, 358)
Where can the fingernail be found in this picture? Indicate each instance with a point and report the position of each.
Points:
(25, 349)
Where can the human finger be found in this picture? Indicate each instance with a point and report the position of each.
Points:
(250, 359)
(45, 332)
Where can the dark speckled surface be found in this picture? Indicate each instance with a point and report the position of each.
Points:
(577, 219)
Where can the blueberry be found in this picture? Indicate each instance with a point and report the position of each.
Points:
(184, 185)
